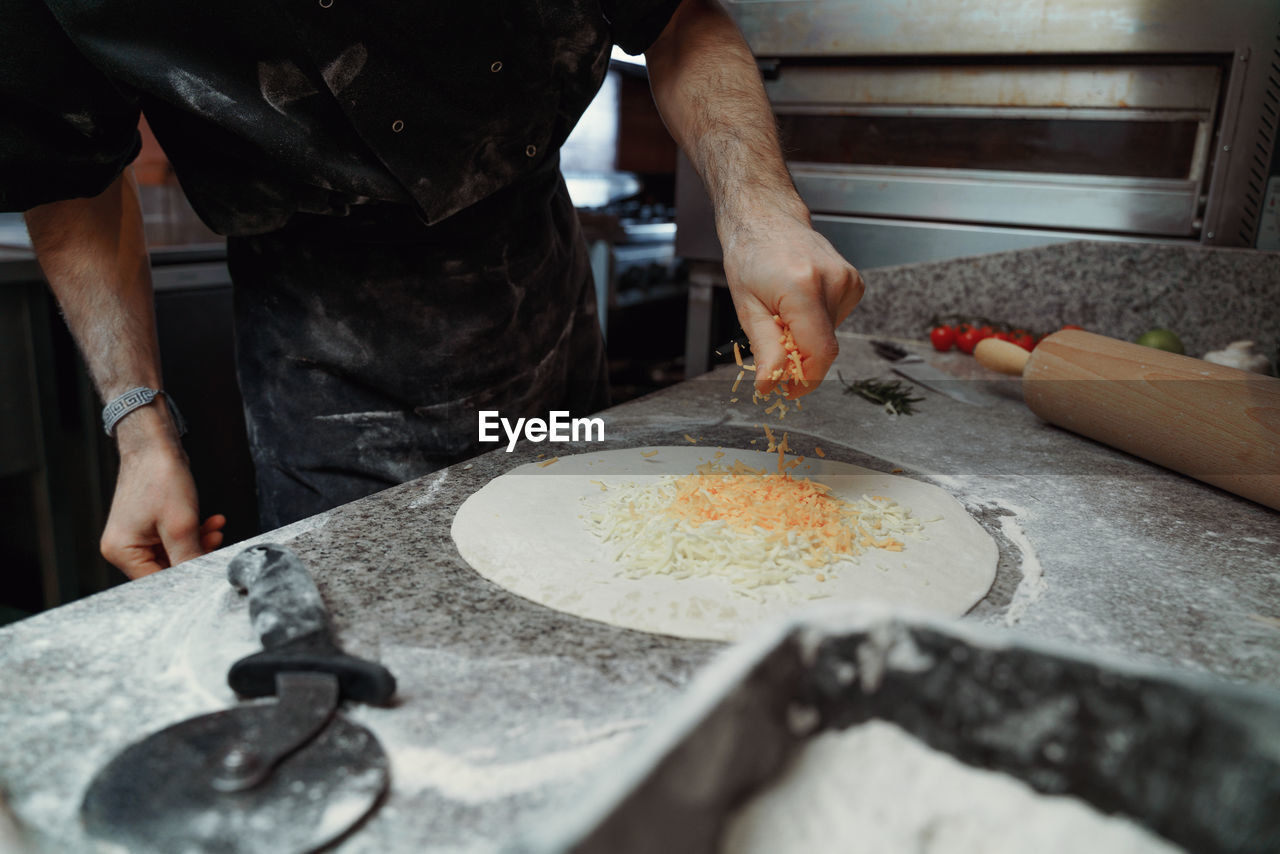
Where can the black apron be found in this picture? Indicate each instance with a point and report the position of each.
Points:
(367, 344)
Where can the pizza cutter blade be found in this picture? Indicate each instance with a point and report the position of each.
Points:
(290, 775)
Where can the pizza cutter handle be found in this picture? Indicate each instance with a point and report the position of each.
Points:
(284, 603)
(289, 616)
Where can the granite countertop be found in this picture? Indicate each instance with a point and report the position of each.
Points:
(506, 709)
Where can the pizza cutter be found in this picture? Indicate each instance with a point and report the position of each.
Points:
(289, 775)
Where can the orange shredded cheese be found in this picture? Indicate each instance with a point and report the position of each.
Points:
(690, 439)
(793, 369)
(777, 504)
(548, 462)
(817, 449)
(648, 453)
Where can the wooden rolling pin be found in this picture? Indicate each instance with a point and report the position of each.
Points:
(1214, 423)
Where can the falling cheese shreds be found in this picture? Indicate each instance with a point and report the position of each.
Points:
(649, 453)
(548, 462)
(752, 527)
(737, 354)
(737, 381)
(601, 484)
(733, 400)
(817, 449)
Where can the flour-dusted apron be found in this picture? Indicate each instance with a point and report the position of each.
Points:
(367, 344)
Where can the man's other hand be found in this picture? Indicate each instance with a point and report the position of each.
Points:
(780, 266)
(154, 521)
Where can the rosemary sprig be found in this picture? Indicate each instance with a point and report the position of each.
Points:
(892, 394)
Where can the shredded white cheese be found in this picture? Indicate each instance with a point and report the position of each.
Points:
(647, 538)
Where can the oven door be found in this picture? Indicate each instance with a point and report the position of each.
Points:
(929, 129)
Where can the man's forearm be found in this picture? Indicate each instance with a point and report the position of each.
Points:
(779, 270)
(93, 252)
(707, 87)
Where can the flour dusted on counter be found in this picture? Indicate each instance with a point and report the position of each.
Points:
(874, 788)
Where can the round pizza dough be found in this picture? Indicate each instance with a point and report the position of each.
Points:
(526, 531)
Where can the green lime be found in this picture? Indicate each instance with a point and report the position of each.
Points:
(1162, 339)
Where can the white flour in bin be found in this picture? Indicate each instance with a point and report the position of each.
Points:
(874, 788)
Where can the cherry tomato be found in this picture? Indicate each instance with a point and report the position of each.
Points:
(943, 338)
(1073, 326)
(968, 339)
(1025, 341)
(986, 332)
(1004, 336)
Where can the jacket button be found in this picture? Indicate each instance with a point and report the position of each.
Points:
(397, 126)
(530, 150)
(325, 4)
(495, 68)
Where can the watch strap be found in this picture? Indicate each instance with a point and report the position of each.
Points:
(135, 398)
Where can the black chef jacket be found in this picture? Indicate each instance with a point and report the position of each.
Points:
(270, 108)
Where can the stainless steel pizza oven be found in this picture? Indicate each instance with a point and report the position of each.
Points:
(925, 129)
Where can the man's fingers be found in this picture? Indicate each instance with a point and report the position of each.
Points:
(134, 561)
(764, 333)
(844, 296)
(811, 325)
(216, 522)
(181, 539)
(210, 541)
(211, 532)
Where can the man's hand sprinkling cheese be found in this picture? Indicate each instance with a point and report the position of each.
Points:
(707, 87)
(791, 280)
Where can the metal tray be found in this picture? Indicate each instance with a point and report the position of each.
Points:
(1193, 759)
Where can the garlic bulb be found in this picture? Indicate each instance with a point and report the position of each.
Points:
(1244, 355)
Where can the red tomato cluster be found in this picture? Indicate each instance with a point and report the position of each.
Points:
(965, 336)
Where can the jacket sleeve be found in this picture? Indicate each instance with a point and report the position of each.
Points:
(637, 23)
(67, 130)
